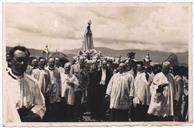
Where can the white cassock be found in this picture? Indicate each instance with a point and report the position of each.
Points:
(43, 79)
(22, 91)
(66, 90)
(120, 88)
(12, 97)
(162, 103)
(142, 90)
(35, 73)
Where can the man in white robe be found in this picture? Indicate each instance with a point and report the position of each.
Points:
(120, 92)
(184, 110)
(44, 77)
(24, 100)
(162, 93)
(142, 95)
(68, 85)
(59, 66)
(54, 92)
(179, 85)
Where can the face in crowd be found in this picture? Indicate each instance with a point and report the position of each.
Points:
(57, 62)
(157, 68)
(19, 60)
(166, 67)
(35, 63)
(42, 63)
(67, 68)
(109, 65)
(121, 67)
(104, 64)
(51, 62)
(139, 68)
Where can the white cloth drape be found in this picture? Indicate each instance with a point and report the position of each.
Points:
(88, 40)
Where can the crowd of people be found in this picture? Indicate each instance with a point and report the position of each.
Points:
(106, 88)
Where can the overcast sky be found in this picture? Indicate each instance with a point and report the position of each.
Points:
(61, 26)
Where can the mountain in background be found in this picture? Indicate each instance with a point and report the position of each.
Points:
(156, 56)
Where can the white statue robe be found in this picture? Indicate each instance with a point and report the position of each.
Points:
(88, 40)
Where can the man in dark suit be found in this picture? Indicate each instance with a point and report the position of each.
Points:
(102, 78)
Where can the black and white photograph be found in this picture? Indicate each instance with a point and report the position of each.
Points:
(97, 63)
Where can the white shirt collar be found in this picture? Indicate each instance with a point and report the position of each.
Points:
(13, 75)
